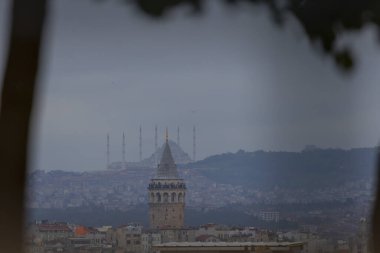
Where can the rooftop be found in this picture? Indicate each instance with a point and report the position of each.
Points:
(53, 227)
(230, 244)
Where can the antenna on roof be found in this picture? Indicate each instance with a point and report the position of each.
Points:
(166, 135)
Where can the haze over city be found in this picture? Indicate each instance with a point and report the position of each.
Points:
(245, 84)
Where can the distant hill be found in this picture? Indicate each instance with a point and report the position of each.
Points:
(310, 169)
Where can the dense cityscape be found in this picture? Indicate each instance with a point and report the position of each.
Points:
(328, 219)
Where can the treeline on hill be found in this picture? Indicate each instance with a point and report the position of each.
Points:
(309, 169)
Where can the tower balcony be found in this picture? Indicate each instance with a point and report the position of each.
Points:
(166, 186)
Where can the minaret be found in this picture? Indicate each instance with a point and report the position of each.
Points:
(166, 193)
(178, 136)
(140, 144)
(155, 146)
(194, 144)
(108, 151)
(124, 165)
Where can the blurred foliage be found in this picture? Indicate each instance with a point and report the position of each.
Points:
(323, 21)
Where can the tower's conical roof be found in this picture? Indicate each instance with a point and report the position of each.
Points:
(167, 167)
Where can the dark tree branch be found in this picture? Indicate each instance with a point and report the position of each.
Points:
(323, 21)
(18, 89)
(159, 8)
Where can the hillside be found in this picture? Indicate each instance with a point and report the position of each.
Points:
(242, 178)
(309, 169)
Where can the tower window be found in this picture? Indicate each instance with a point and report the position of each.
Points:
(173, 197)
(166, 197)
(158, 197)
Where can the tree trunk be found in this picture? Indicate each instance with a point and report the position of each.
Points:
(375, 231)
(18, 92)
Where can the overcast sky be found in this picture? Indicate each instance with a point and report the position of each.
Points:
(243, 82)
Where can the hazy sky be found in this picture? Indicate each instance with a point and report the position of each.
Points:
(243, 82)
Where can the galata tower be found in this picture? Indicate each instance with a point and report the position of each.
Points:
(166, 194)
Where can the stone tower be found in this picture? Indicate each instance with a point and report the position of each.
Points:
(166, 194)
